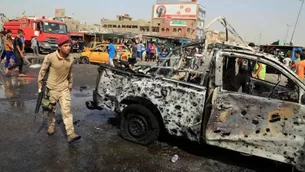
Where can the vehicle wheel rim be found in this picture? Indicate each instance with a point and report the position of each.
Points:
(85, 60)
(137, 126)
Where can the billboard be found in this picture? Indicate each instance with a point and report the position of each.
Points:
(167, 1)
(175, 11)
(59, 12)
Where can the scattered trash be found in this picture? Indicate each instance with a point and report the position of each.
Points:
(175, 158)
(83, 87)
(97, 128)
(35, 66)
(76, 122)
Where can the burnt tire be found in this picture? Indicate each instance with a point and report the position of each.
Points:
(139, 125)
(85, 60)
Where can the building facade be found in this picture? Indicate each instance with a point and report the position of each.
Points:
(125, 24)
(184, 19)
(75, 25)
(3, 19)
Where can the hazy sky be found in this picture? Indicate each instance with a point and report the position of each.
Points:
(249, 17)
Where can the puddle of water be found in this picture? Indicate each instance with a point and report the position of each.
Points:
(82, 92)
(96, 116)
(100, 116)
(11, 85)
(2, 92)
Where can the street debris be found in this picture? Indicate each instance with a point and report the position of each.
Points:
(35, 66)
(97, 128)
(175, 158)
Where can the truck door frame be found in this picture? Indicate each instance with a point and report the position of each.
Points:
(252, 124)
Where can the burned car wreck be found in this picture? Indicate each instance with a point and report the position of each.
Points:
(210, 101)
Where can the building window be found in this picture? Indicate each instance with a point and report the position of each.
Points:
(188, 30)
(179, 30)
(162, 29)
(119, 26)
(167, 29)
(123, 26)
(174, 30)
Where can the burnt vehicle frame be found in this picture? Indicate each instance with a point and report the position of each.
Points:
(206, 112)
(268, 124)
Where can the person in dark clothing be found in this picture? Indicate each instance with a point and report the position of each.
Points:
(2, 45)
(18, 53)
(240, 78)
(133, 59)
(245, 66)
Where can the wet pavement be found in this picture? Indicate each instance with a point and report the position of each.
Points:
(25, 146)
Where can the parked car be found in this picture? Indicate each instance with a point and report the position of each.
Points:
(100, 54)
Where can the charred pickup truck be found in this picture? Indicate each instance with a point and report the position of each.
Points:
(212, 103)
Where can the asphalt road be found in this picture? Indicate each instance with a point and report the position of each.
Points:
(25, 146)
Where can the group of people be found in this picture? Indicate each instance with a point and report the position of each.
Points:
(13, 51)
(151, 52)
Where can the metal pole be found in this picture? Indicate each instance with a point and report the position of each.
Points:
(296, 23)
(288, 28)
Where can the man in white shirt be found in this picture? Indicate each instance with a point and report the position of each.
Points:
(287, 61)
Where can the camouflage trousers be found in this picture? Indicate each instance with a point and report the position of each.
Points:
(64, 100)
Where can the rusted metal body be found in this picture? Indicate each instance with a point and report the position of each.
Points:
(179, 105)
(252, 123)
(257, 125)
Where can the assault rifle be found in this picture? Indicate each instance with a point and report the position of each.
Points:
(41, 94)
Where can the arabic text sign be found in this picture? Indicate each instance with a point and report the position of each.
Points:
(175, 11)
(178, 23)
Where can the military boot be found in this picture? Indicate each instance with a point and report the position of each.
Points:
(73, 137)
(51, 130)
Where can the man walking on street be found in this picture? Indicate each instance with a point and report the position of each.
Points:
(18, 54)
(111, 53)
(58, 65)
(9, 50)
(133, 59)
(34, 46)
(25, 59)
(300, 66)
(2, 46)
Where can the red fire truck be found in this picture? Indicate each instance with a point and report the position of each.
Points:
(47, 31)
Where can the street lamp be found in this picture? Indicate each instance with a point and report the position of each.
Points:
(288, 28)
(296, 23)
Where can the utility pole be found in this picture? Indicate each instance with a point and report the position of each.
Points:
(259, 39)
(288, 28)
(296, 23)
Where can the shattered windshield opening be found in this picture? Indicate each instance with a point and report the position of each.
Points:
(240, 75)
(184, 64)
(55, 28)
